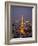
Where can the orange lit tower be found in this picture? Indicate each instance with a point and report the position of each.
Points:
(22, 26)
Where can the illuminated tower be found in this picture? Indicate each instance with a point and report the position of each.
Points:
(22, 26)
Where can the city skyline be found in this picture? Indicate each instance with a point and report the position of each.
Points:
(21, 18)
(18, 12)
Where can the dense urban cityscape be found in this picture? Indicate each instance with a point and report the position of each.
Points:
(22, 29)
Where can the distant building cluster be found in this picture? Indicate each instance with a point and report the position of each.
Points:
(22, 29)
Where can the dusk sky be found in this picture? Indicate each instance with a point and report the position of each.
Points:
(17, 12)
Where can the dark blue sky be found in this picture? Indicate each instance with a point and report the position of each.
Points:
(17, 12)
